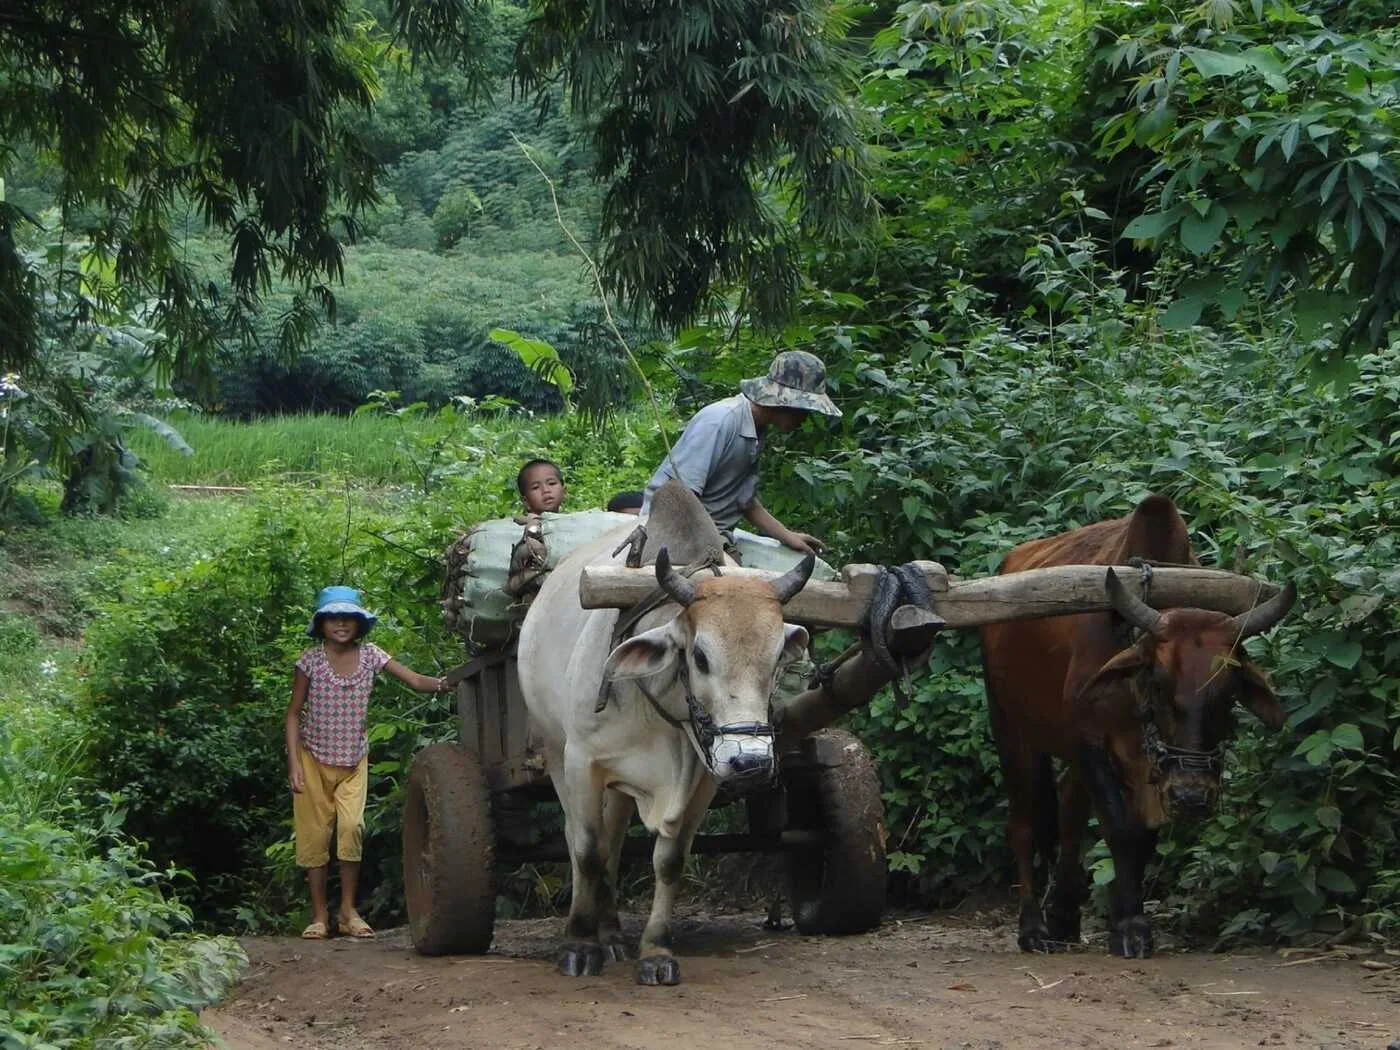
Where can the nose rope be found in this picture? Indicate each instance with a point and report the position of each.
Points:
(706, 730)
(1163, 755)
(700, 725)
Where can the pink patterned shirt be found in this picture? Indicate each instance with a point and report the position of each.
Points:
(336, 709)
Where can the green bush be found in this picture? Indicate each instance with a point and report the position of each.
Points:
(93, 953)
(188, 672)
(95, 948)
(19, 640)
(996, 433)
(414, 322)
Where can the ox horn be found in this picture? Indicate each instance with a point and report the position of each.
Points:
(1262, 617)
(792, 581)
(673, 583)
(1129, 606)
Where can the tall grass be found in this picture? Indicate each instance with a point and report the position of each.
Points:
(469, 457)
(367, 447)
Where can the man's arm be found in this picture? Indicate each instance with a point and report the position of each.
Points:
(761, 519)
(694, 455)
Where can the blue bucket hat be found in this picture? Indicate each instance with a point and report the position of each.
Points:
(340, 601)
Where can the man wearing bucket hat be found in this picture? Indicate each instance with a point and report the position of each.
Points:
(716, 456)
(327, 749)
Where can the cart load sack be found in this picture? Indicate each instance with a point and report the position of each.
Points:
(495, 569)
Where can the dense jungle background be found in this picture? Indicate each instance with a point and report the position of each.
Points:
(1057, 254)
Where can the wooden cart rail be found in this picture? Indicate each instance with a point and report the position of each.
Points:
(965, 603)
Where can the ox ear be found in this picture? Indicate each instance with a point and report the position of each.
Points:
(794, 643)
(1123, 665)
(649, 653)
(1257, 696)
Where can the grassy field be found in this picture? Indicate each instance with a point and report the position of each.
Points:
(466, 458)
(372, 448)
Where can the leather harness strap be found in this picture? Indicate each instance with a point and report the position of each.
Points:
(632, 616)
(699, 723)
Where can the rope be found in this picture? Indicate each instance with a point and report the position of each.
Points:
(825, 674)
(629, 619)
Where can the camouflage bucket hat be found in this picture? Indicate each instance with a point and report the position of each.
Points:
(796, 379)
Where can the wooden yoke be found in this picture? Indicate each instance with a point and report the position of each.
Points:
(1055, 591)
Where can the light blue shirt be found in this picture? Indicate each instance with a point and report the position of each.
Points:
(717, 459)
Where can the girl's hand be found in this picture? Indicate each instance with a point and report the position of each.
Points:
(295, 779)
(441, 686)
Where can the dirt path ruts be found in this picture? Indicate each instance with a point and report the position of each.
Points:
(921, 981)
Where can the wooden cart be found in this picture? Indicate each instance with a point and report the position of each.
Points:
(467, 805)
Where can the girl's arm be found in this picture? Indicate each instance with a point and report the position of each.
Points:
(414, 680)
(291, 732)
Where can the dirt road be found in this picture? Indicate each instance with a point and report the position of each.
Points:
(942, 982)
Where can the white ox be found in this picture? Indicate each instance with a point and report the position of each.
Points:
(655, 724)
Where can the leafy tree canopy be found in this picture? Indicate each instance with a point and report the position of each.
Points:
(1261, 142)
(235, 111)
(714, 122)
(249, 118)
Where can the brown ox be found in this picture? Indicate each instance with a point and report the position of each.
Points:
(1140, 724)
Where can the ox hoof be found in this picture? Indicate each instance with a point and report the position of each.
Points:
(1131, 938)
(615, 949)
(581, 960)
(1036, 938)
(658, 969)
(1064, 926)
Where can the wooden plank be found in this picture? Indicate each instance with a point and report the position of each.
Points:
(1080, 588)
(517, 726)
(469, 715)
(1054, 591)
(492, 696)
(473, 667)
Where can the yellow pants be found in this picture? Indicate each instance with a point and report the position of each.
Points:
(331, 795)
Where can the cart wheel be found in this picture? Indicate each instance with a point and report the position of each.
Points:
(840, 887)
(448, 847)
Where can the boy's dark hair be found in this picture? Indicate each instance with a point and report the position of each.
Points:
(520, 477)
(626, 501)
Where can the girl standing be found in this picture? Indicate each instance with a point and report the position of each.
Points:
(328, 747)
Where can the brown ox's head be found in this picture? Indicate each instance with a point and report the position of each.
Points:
(722, 655)
(1181, 679)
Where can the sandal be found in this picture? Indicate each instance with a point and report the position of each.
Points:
(355, 927)
(315, 932)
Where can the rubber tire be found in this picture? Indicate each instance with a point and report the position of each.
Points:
(840, 889)
(448, 853)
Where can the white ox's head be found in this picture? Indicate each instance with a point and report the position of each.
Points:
(722, 655)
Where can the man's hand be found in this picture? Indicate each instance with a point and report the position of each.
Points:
(801, 541)
(770, 526)
(295, 779)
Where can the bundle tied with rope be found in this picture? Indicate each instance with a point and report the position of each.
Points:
(495, 569)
